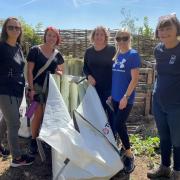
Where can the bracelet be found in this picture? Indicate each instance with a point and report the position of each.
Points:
(126, 96)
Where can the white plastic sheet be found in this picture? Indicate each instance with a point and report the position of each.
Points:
(91, 153)
(24, 130)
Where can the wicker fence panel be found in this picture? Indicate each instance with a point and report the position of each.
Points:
(76, 41)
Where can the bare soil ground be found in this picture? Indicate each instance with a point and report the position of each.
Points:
(37, 171)
(43, 171)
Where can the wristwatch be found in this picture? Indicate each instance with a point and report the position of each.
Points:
(125, 95)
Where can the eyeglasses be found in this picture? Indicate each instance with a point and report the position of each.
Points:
(124, 38)
(11, 28)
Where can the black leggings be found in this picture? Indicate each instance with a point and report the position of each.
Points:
(119, 123)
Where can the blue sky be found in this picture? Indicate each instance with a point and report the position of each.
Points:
(86, 14)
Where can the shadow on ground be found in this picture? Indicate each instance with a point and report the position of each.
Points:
(37, 171)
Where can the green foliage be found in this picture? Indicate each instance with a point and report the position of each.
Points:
(1, 23)
(146, 30)
(147, 146)
(30, 34)
(128, 21)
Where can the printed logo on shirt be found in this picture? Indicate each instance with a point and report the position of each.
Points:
(172, 59)
(120, 64)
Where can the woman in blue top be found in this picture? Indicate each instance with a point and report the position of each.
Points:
(166, 98)
(125, 74)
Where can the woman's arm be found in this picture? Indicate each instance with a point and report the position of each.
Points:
(87, 72)
(132, 85)
(30, 67)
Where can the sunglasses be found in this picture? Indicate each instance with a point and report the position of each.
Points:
(124, 38)
(11, 28)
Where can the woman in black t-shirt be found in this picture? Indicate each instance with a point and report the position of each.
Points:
(11, 89)
(37, 58)
(98, 66)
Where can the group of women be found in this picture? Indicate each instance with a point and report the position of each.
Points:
(112, 71)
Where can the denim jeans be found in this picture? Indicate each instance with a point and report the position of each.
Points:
(167, 119)
(119, 123)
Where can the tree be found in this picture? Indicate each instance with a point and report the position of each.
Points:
(1, 23)
(30, 35)
(128, 21)
(146, 30)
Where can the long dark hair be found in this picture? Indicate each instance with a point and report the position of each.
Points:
(4, 35)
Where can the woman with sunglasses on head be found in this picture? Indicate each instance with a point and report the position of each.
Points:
(125, 74)
(37, 58)
(166, 98)
(11, 89)
(98, 66)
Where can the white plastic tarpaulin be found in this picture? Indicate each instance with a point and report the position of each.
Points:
(90, 152)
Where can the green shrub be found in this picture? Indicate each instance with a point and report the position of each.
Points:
(147, 146)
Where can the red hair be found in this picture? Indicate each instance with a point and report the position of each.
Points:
(57, 32)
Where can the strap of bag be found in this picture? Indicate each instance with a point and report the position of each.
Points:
(47, 64)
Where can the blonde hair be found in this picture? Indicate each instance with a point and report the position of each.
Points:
(118, 34)
(101, 28)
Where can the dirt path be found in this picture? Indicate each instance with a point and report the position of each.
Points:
(42, 170)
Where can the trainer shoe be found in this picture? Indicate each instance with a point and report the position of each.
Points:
(162, 171)
(25, 160)
(128, 164)
(4, 152)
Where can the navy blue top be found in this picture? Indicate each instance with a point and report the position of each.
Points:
(121, 74)
(168, 74)
(99, 65)
(12, 80)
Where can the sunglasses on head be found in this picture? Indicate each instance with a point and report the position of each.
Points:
(124, 38)
(11, 28)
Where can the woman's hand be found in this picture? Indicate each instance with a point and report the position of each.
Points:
(59, 70)
(91, 80)
(109, 98)
(123, 103)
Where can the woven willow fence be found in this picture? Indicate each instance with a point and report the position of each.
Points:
(76, 41)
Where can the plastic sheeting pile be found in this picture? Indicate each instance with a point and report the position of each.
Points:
(85, 152)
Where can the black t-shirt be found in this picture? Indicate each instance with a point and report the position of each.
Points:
(168, 74)
(11, 70)
(36, 56)
(99, 65)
